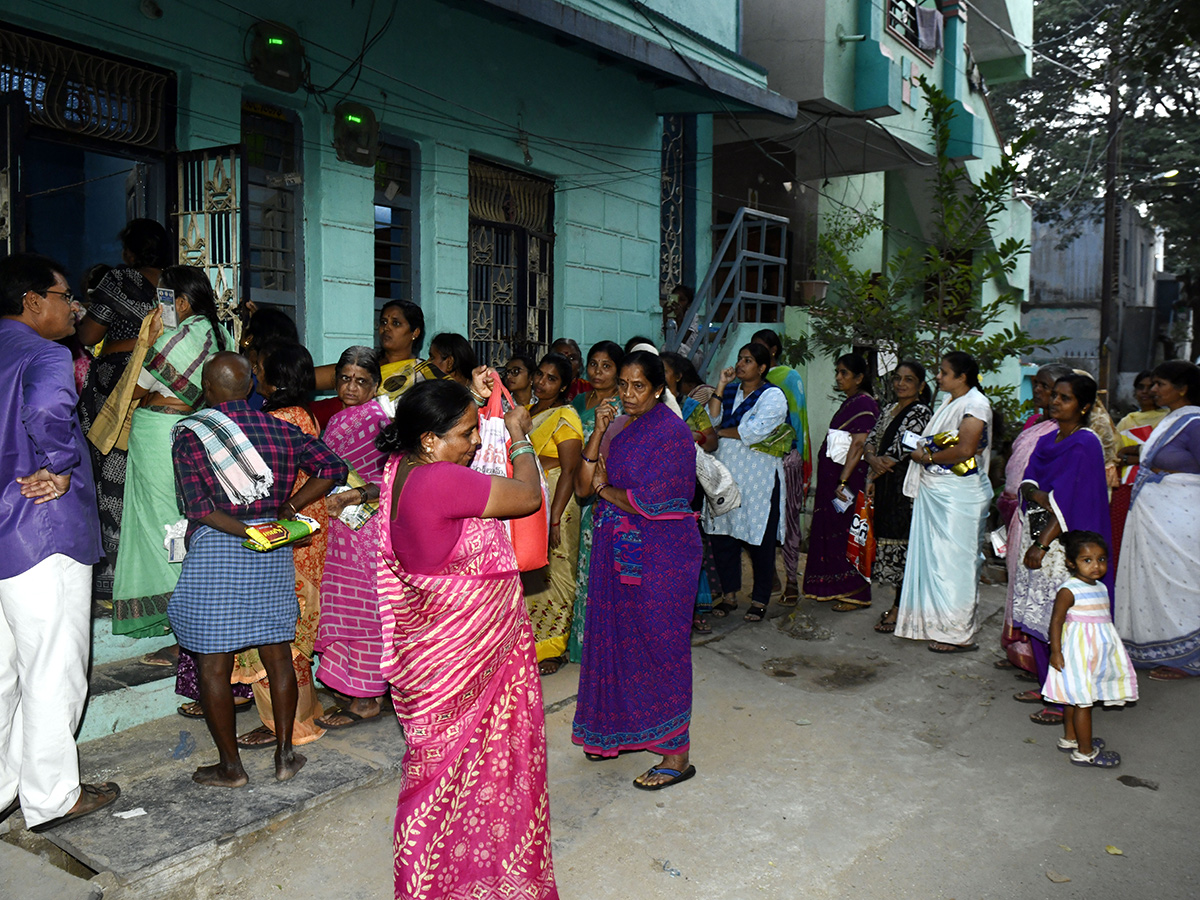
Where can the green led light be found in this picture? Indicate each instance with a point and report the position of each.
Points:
(275, 42)
(357, 120)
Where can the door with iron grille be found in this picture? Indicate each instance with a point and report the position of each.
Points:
(210, 222)
(510, 258)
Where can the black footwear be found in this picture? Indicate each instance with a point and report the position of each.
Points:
(676, 777)
(98, 796)
(10, 809)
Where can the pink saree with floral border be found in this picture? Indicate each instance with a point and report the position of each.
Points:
(473, 818)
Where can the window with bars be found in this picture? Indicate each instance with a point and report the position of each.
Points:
(274, 197)
(902, 19)
(395, 222)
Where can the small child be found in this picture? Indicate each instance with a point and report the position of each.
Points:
(1088, 662)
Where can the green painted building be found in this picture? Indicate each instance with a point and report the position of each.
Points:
(517, 193)
(541, 168)
(859, 139)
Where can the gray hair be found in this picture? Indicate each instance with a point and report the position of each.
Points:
(363, 357)
(1056, 370)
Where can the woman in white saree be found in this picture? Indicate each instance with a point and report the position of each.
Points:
(1158, 582)
(940, 597)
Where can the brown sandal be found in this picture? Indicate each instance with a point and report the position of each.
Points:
(883, 626)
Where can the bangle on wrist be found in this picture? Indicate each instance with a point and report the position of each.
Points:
(515, 453)
(1041, 547)
(555, 524)
(586, 460)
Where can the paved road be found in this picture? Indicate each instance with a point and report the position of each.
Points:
(859, 766)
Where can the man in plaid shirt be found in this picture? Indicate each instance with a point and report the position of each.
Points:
(230, 598)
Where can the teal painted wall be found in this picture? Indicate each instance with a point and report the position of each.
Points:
(714, 20)
(457, 85)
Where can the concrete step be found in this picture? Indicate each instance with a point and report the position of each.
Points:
(186, 828)
(125, 693)
(28, 876)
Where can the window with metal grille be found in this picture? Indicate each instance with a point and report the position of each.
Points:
(274, 197)
(83, 93)
(395, 222)
(510, 252)
(902, 19)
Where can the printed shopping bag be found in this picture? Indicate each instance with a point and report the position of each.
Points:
(860, 543)
(530, 535)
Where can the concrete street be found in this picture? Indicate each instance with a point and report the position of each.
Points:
(857, 766)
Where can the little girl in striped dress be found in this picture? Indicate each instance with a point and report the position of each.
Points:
(1088, 662)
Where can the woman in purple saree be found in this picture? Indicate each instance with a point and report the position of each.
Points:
(635, 680)
(1064, 489)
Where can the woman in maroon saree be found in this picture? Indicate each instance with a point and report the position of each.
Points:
(828, 575)
(635, 679)
(473, 818)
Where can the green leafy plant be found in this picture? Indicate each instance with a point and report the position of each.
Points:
(929, 299)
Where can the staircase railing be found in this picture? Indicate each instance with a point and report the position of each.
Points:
(744, 269)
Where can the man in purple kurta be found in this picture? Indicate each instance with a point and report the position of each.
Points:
(51, 537)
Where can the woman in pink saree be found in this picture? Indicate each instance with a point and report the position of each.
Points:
(473, 819)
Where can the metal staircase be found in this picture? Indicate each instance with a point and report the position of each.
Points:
(748, 272)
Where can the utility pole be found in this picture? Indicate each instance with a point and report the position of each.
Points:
(1112, 161)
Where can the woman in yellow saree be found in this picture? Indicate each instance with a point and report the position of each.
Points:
(557, 438)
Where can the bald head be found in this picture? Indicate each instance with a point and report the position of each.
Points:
(226, 377)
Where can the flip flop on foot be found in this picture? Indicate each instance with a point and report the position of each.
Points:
(676, 777)
(257, 739)
(791, 594)
(167, 657)
(342, 712)
(756, 613)
(91, 798)
(1003, 664)
(1047, 716)
(941, 647)
(1030, 696)
(887, 625)
(847, 606)
(551, 665)
(724, 608)
(1167, 673)
(700, 625)
(193, 710)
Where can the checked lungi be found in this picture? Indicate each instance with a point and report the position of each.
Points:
(229, 598)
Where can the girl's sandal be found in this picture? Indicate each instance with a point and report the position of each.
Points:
(756, 613)
(1097, 759)
(700, 625)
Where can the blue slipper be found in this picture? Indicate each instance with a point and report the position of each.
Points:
(676, 777)
(1100, 759)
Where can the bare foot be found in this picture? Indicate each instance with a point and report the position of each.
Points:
(219, 776)
(676, 761)
(287, 765)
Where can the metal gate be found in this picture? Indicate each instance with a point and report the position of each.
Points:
(510, 257)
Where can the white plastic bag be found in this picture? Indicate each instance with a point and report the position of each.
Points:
(720, 490)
